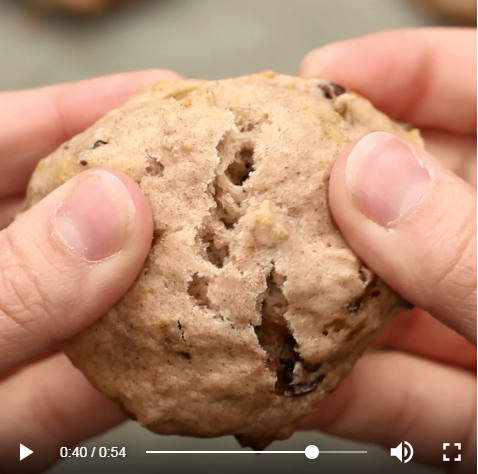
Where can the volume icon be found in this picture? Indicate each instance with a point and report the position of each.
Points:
(403, 452)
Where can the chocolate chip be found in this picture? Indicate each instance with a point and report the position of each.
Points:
(99, 143)
(83, 162)
(375, 293)
(288, 371)
(186, 355)
(338, 89)
(331, 89)
(180, 327)
(353, 306)
(303, 388)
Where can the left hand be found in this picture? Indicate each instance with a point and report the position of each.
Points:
(49, 289)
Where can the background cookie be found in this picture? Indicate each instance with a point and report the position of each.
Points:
(458, 10)
(251, 307)
(78, 6)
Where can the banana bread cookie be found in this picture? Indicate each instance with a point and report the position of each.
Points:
(251, 307)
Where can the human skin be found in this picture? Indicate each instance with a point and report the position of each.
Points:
(409, 216)
(60, 270)
(56, 278)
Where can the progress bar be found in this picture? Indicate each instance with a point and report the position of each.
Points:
(310, 452)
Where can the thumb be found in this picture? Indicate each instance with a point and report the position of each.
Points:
(68, 259)
(413, 222)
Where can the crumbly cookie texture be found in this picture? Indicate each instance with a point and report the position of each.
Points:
(85, 7)
(251, 307)
(459, 10)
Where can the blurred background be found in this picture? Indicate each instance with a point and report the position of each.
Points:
(209, 39)
(198, 38)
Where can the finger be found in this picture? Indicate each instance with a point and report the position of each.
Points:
(48, 405)
(68, 259)
(425, 76)
(413, 222)
(419, 333)
(455, 152)
(35, 122)
(392, 397)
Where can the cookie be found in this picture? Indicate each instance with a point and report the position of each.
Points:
(251, 307)
(83, 7)
(463, 11)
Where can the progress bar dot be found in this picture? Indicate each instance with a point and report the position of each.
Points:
(312, 451)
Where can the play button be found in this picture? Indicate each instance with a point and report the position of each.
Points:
(24, 452)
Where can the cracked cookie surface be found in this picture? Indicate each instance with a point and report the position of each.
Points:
(251, 307)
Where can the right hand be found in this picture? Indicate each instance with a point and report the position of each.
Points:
(413, 221)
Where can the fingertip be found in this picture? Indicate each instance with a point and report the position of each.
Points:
(405, 72)
(308, 66)
(317, 63)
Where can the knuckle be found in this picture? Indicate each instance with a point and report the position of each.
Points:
(459, 268)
